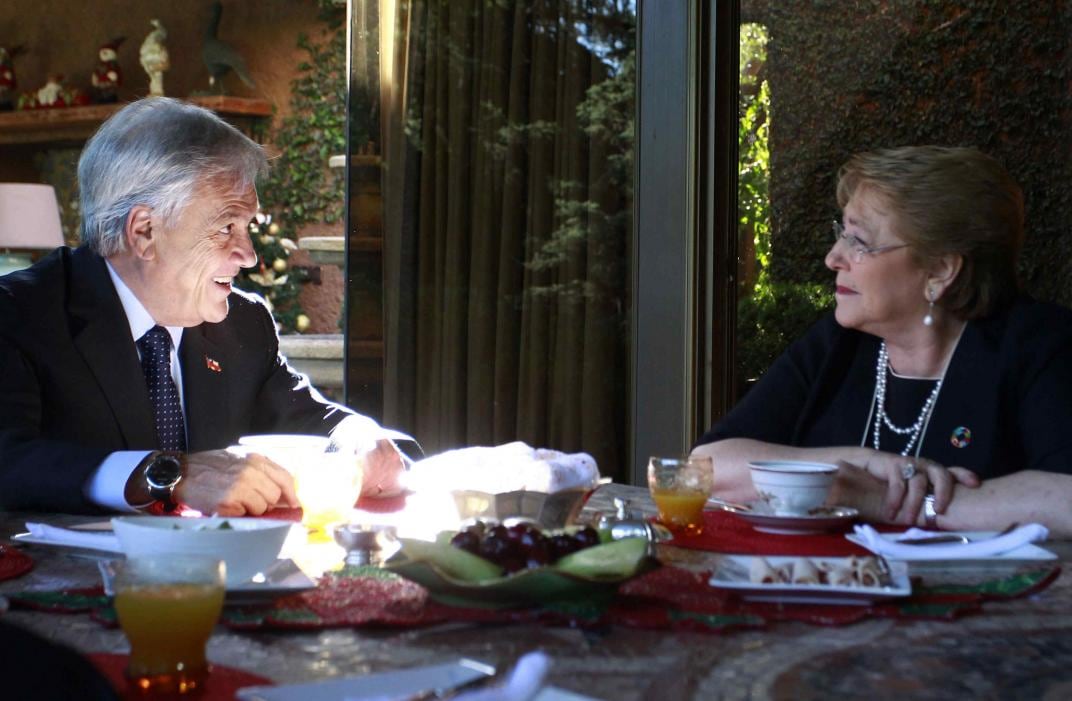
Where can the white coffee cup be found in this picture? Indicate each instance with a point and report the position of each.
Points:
(790, 487)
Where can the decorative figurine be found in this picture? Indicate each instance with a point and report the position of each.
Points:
(107, 76)
(154, 57)
(7, 77)
(53, 94)
(219, 57)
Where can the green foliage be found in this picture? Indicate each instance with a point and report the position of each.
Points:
(273, 278)
(300, 187)
(984, 73)
(772, 317)
(769, 314)
(593, 220)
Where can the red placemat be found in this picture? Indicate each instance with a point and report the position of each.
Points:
(666, 598)
(388, 505)
(725, 533)
(221, 685)
(13, 562)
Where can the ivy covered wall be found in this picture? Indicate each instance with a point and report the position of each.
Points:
(846, 77)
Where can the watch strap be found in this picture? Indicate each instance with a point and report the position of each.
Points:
(161, 494)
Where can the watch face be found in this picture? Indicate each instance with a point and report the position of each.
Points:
(163, 472)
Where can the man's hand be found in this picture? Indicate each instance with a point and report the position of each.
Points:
(220, 482)
(383, 467)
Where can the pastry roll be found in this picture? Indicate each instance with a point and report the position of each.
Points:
(868, 573)
(761, 572)
(804, 571)
(841, 573)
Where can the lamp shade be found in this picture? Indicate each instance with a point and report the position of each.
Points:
(29, 216)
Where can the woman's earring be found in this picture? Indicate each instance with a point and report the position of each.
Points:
(929, 319)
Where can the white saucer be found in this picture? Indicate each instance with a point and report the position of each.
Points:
(819, 520)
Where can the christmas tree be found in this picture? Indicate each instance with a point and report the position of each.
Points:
(272, 277)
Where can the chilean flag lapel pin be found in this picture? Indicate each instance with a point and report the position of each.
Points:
(212, 364)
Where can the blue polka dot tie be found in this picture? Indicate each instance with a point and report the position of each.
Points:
(155, 347)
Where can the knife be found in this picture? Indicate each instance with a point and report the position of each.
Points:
(449, 691)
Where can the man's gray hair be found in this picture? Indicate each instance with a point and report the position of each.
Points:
(156, 152)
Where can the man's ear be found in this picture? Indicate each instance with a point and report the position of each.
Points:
(944, 272)
(138, 232)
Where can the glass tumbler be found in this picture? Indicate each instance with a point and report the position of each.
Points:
(167, 607)
(680, 488)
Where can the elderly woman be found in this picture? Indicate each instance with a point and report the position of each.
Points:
(943, 395)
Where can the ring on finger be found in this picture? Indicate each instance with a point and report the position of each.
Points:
(908, 471)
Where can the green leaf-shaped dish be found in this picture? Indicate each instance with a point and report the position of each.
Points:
(464, 580)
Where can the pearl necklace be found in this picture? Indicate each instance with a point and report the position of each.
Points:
(879, 408)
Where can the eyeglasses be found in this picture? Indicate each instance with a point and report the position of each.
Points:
(857, 248)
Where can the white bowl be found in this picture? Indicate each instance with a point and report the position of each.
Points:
(790, 487)
(249, 546)
(292, 451)
(327, 484)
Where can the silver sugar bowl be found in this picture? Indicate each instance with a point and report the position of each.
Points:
(366, 544)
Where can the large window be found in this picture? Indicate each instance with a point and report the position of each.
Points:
(819, 82)
(491, 154)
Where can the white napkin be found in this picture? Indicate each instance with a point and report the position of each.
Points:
(358, 434)
(873, 541)
(523, 684)
(75, 539)
(503, 468)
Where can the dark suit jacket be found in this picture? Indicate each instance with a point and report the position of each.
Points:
(72, 389)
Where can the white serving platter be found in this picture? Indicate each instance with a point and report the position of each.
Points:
(401, 684)
(732, 574)
(1027, 554)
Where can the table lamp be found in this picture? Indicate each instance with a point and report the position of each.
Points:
(29, 220)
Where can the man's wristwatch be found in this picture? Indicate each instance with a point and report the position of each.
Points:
(162, 473)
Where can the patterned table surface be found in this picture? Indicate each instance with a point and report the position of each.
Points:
(1014, 649)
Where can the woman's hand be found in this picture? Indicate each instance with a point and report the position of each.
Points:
(908, 480)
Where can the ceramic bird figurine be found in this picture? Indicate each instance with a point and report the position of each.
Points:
(154, 57)
(219, 57)
(107, 76)
(8, 84)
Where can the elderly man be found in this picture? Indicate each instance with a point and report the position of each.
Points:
(129, 364)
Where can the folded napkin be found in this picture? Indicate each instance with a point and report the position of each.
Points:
(55, 535)
(503, 468)
(523, 683)
(873, 541)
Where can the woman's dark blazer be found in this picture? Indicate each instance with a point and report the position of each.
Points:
(1008, 385)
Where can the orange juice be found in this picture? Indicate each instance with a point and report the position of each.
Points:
(327, 492)
(167, 626)
(680, 511)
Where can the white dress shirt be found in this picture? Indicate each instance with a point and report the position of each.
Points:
(107, 485)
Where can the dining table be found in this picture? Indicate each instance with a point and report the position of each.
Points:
(1001, 647)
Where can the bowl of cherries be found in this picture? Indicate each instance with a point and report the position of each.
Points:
(516, 563)
(522, 545)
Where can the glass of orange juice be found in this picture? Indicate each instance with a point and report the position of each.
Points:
(167, 607)
(327, 490)
(680, 487)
